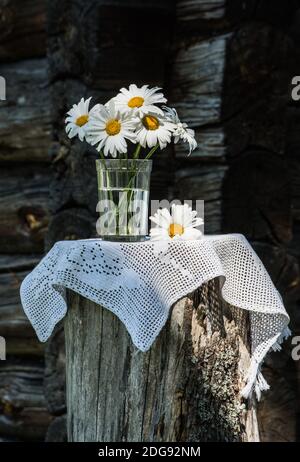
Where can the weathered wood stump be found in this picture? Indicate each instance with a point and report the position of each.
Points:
(185, 388)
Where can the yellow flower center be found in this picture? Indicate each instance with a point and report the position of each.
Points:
(175, 229)
(150, 122)
(82, 120)
(113, 127)
(136, 101)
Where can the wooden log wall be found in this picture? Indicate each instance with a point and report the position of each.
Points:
(261, 187)
(24, 209)
(196, 91)
(232, 68)
(227, 67)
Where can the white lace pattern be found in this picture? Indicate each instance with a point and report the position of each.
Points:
(139, 282)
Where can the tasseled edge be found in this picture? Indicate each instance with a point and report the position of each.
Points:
(283, 336)
(254, 379)
(260, 385)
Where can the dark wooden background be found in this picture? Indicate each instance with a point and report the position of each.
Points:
(227, 67)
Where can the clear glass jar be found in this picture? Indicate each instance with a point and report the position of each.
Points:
(123, 193)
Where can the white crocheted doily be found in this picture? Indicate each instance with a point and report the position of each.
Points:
(139, 282)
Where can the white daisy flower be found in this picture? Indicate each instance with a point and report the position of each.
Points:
(139, 101)
(179, 225)
(78, 118)
(154, 129)
(110, 130)
(181, 132)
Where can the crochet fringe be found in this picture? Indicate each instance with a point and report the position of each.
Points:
(283, 336)
(255, 381)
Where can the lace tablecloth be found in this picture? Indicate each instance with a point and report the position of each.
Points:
(139, 282)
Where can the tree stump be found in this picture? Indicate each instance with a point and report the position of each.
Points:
(186, 388)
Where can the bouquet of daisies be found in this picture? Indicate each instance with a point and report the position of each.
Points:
(136, 116)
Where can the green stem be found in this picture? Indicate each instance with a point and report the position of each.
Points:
(110, 193)
(137, 152)
(129, 185)
(102, 157)
(152, 151)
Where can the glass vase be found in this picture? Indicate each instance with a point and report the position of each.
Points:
(123, 193)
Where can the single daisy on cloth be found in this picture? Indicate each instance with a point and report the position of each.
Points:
(180, 224)
(78, 118)
(110, 130)
(181, 130)
(139, 101)
(154, 130)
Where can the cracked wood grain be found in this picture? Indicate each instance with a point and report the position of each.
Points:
(185, 388)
